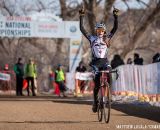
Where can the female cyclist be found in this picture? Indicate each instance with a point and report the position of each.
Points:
(99, 44)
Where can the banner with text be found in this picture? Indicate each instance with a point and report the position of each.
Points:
(13, 26)
(26, 27)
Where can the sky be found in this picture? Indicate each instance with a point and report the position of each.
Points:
(54, 8)
(132, 3)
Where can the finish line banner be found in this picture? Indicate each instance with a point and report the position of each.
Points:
(26, 27)
(16, 27)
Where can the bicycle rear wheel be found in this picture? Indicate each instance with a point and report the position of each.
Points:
(107, 105)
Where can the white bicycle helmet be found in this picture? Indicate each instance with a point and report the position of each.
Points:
(100, 25)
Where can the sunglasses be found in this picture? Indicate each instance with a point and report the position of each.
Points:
(100, 30)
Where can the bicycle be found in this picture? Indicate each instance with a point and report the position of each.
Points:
(104, 96)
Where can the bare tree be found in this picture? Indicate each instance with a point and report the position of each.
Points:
(135, 30)
(68, 10)
(141, 27)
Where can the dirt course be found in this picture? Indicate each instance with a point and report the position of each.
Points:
(53, 113)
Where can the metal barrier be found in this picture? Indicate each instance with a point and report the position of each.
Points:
(7, 81)
(83, 83)
(142, 82)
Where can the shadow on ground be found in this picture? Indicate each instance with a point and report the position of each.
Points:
(50, 122)
(130, 109)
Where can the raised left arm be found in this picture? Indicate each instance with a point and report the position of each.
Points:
(114, 29)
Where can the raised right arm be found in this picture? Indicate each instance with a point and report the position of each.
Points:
(84, 32)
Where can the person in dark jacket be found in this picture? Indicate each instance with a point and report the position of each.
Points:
(81, 67)
(156, 58)
(137, 59)
(19, 70)
(117, 61)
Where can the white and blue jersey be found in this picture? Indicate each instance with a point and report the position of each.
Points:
(98, 47)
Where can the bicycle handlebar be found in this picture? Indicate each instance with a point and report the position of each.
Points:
(112, 71)
(108, 71)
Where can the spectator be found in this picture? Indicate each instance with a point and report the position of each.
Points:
(35, 78)
(31, 73)
(156, 58)
(19, 70)
(117, 61)
(129, 61)
(81, 67)
(7, 84)
(7, 70)
(138, 60)
(6, 67)
(60, 79)
(51, 78)
(81, 83)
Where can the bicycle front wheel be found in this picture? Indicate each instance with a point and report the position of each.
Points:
(107, 105)
(100, 109)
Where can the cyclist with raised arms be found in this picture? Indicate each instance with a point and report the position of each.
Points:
(99, 44)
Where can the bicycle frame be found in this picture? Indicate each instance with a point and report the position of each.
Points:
(104, 82)
(104, 78)
(104, 97)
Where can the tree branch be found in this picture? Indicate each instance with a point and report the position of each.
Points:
(98, 2)
(63, 9)
(6, 8)
(107, 7)
(142, 29)
(91, 12)
(125, 2)
(140, 1)
(148, 21)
